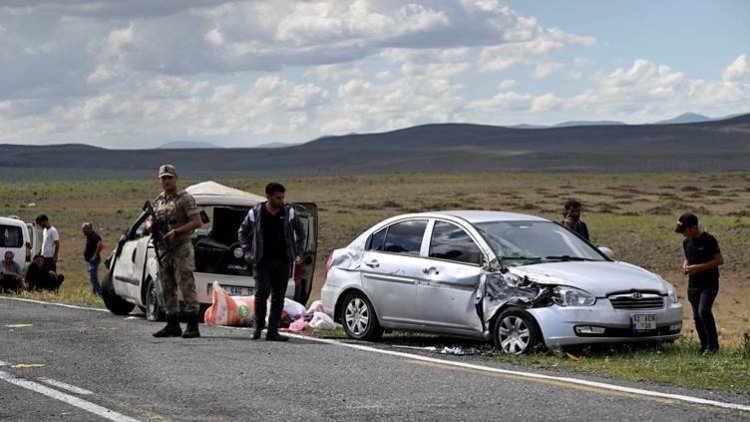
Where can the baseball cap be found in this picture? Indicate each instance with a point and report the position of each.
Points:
(167, 170)
(685, 221)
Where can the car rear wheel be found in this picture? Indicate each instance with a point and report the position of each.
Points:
(516, 332)
(112, 301)
(359, 319)
(154, 311)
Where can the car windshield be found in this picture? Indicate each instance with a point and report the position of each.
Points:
(532, 242)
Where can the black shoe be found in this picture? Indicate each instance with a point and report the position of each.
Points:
(274, 336)
(256, 333)
(172, 328)
(710, 351)
(191, 331)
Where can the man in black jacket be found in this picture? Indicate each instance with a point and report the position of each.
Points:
(572, 218)
(701, 265)
(272, 237)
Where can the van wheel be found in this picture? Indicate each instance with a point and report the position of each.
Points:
(154, 312)
(359, 319)
(515, 332)
(112, 301)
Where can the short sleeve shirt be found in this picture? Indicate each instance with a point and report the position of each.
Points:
(49, 237)
(176, 211)
(700, 250)
(13, 267)
(92, 241)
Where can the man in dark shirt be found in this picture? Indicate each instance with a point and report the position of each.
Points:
(272, 237)
(572, 218)
(92, 255)
(701, 265)
(39, 277)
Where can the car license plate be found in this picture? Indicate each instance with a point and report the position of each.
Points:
(643, 322)
(235, 290)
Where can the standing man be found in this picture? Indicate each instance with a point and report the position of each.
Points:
(176, 210)
(50, 242)
(92, 255)
(572, 218)
(701, 265)
(272, 237)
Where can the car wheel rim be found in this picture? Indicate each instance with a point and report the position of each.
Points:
(514, 335)
(357, 317)
(151, 305)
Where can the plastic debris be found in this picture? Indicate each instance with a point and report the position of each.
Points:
(458, 351)
(298, 325)
(27, 365)
(322, 321)
(238, 311)
(19, 325)
(574, 358)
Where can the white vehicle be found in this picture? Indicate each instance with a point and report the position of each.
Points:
(18, 237)
(132, 278)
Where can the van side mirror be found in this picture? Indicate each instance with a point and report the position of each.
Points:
(607, 251)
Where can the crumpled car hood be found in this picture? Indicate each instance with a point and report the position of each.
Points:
(597, 278)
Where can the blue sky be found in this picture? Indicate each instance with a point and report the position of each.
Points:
(244, 73)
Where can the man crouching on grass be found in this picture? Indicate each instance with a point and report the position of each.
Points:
(273, 239)
(701, 265)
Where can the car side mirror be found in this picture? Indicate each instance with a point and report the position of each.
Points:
(607, 251)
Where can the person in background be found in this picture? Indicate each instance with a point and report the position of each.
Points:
(50, 242)
(39, 277)
(701, 265)
(572, 218)
(11, 279)
(92, 255)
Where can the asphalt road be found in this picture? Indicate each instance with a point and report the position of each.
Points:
(224, 376)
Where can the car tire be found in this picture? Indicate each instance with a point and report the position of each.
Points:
(516, 332)
(154, 312)
(112, 301)
(359, 319)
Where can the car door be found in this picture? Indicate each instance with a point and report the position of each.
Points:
(127, 274)
(390, 269)
(305, 270)
(450, 277)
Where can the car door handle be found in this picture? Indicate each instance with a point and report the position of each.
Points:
(373, 264)
(132, 258)
(431, 270)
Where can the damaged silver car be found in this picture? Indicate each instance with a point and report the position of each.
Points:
(521, 281)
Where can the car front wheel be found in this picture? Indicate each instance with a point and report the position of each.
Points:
(154, 311)
(516, 332)
(112, 301)
(360, 321)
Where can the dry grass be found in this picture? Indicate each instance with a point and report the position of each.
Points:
(633, 214)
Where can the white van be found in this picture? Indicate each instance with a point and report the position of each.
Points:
(20, 238)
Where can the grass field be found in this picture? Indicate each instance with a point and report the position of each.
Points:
(633, 214)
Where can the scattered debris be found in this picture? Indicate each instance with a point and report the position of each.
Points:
(27, 365)
(458, 351)
(19, 325)
(572, 357)
(83, 330)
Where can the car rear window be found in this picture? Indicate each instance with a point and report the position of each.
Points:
(10, 236)
(405, 237)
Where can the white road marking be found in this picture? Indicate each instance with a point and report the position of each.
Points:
(2, 363)
(64, 305)
(64, 386)
(531, 375)
(66, 398)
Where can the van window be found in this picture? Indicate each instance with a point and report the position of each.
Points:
(10, 236)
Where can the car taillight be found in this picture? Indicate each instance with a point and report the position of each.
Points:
(28, 251)
(329, 261)
(298, 267)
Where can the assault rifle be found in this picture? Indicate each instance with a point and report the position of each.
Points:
(158, 231)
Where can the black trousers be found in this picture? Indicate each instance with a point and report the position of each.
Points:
(702, 298)
(271, 277)
(49, 263)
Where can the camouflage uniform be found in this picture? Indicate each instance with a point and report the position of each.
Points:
(176, 269)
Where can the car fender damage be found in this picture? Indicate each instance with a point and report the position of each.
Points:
(498, 290)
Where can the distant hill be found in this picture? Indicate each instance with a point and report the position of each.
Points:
(685, 118)
(717, 145)
(188, 145)
(587, 123)
(276, 145)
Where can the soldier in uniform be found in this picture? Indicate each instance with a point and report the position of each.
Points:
(177, 211)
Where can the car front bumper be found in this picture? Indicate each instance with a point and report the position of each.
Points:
(602, 323)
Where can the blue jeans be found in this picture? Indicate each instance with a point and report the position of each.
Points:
(93, 269)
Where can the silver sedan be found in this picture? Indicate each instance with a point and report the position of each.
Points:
(521, 281)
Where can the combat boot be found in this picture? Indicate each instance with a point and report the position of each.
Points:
(172, 329)
(191, 331)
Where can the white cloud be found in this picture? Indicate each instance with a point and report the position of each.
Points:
(542, 70)
(738, 70)
(507, 84)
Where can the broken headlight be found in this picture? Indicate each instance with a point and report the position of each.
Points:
(570, 296)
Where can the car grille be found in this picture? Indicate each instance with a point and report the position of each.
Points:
(636, 300)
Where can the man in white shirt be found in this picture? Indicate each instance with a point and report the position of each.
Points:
(50, 242)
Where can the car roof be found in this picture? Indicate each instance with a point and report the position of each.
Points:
(481, 216)
(12, 221)
(212, 193)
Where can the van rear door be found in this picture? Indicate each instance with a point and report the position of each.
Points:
(305, 270)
